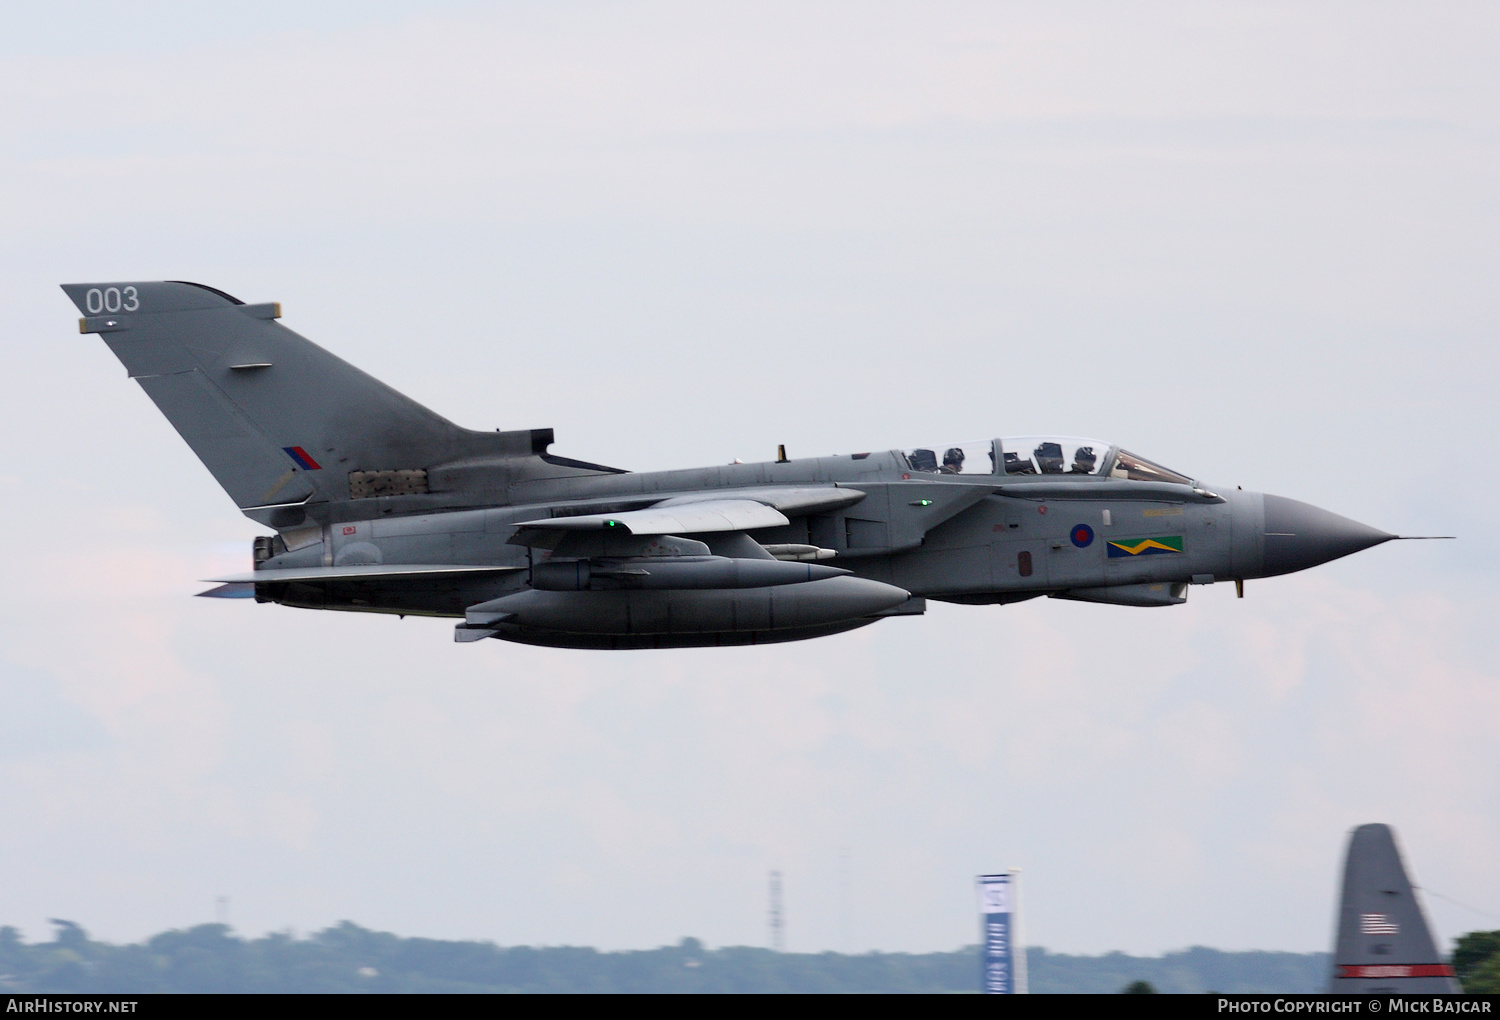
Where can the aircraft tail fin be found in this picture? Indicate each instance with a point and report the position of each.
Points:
(1383, 942)
(282, 424)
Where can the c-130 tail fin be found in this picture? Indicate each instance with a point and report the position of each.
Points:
(1383, 942)
(280, 422)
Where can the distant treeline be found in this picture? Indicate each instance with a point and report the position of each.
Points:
(348, 958)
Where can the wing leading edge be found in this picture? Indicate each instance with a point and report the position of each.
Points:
(717, 511)
(682, 519)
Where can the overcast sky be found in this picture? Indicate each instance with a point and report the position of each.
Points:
(1256, 242)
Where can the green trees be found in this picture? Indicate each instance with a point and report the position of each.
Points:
(1476, 961)
(349, 958)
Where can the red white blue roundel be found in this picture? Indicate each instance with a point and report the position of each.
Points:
(1082, 535)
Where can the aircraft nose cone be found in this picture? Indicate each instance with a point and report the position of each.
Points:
(1300, 535)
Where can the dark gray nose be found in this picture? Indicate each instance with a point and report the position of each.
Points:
(1299, 535)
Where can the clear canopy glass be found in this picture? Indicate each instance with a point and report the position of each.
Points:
(975, 458)
(1038, 455)
(1130, 465)
(1054, 455)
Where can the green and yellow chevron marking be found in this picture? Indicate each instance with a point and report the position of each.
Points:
(1155, 546)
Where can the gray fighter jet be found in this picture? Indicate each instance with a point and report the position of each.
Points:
(380, 505)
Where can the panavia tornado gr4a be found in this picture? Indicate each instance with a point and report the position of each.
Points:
(380, 505)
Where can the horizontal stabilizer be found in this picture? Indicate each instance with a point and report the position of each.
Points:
(684, 518)
(235, 590)
(364, 572)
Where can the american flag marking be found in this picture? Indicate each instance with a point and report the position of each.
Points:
(1377, 924)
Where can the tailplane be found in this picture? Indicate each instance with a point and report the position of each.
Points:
(1383, 942)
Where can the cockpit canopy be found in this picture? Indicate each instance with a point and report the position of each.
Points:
(1038, 455)
(1054, 455)
(976, 458)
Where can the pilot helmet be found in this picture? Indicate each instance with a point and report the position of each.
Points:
(954, 455)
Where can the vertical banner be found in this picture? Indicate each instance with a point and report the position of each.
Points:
(1003, 967)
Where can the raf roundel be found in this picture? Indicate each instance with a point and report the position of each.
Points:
(1082, 535)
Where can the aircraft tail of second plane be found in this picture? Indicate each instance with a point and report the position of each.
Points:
(1383, 942)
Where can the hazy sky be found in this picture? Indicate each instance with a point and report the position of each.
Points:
(1256, 242)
